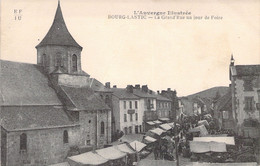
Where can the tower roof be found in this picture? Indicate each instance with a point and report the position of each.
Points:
(58, 34)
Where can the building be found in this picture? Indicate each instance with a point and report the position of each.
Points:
(163, 107)
(223, 111)
(50, 110)
(186, 106)
(172, 96)
(128, 112)
(245, 87)
(202, 105)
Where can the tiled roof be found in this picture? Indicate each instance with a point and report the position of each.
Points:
(31, 117)
(58, 33)
(160, 97)
(224, 103)
(140, 93)
(243, 70)
(98, 86)
(123, 94)
(84, 98)
(25, 84)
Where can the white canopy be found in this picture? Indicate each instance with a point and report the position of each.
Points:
(203, 122)
(202, 129)
(88, 158)
(157, 122)
(150, 139)
(164, 119)
(157, 131)
(165, 126)
(150, 123)
(111, 153)
(124, 148)
(227, 140)
(203, 147)
(138, 146)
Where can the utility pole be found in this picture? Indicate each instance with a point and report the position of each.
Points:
(176, 142)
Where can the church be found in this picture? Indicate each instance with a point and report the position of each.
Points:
(52, 109)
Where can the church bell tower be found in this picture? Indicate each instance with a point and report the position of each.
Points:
(58, 52)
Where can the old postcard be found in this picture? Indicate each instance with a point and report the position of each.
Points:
(148, 82)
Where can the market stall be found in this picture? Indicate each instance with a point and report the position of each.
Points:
(115, 156)
(87, 159)
(226, 140)
(126, 148)
(201, 129)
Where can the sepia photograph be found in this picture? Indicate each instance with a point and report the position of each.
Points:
(129, 83)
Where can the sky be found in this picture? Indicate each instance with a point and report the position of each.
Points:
(188, 55)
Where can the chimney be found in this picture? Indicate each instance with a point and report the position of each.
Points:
(130, 88)
(168, 89)
(158, 92)
(114, 86)
(137, 86)
(145, 88)
(107, 85)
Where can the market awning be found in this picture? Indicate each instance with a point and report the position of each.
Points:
(203, 122)
(85, 159)
(124, 148)
(164, 119)
(226, 140)
(149, 139)
(137, 146)
(222, 164)
(150, 123)
(58, 164)
(202, 129)
(111, 153)
(203, 147)
(157, 131)
(157, 122)
(165, 126)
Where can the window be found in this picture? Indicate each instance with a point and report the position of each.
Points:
(130, 130)
(131, 117)
(88, 142)
(124, 104)
(125, 118)
(130, 104)
(140, 128)
(102, 128)
(107, 99)
(65, 137)
(23, 141)
(248, 86)
(249, 103)
(136, 116)
(74, 63)
(225, 114)
(58, 60)
(45, 60)
(136, 106)
(136, 129)
(149, 104)
(125, 130)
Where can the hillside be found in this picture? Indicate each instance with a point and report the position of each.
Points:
(210, 93)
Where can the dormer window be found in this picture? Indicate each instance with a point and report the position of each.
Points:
(74, 63)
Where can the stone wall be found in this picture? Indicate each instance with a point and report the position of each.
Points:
(90, 129)
(43, 146)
